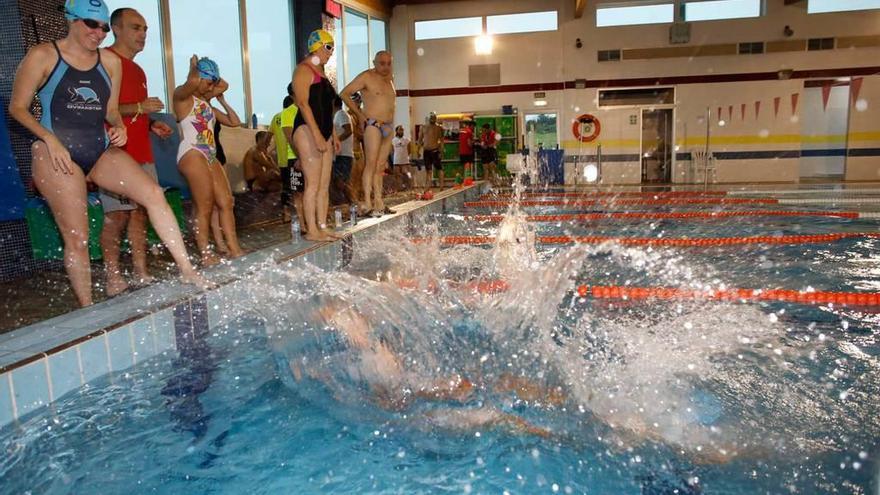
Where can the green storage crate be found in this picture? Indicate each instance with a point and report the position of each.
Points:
(175, 201)
(46, 243)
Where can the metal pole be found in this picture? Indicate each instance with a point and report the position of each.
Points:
(706, 162)
(598, 163)
(245, 63)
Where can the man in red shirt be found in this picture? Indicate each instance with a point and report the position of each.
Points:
(489, 154)
(130, 31)
(466, 146)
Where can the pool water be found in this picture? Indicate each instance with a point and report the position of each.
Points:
(632, 397)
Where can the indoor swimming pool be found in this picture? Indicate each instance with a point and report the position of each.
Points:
(471, 351)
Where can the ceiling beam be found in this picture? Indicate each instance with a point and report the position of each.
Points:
(579, 6)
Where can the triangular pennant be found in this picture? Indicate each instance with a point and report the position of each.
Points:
(826, 94)
(855, 86)
(757, 109)
(730, 113)
(742, 110)
(794, 102)
(776, 102)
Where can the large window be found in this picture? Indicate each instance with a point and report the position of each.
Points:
(522, 23)
(820, 6)
(339, 53)
(711, 10)
(271, 54)
(151, 59)
(213, 32)
(377, 36)
(449, 28)
(357, 40)
(634, 15)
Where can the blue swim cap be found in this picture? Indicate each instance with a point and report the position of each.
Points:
(208, 69)
(87, 9)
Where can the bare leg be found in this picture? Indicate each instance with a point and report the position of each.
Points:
(137, 236)
(118, 173)
(298, 206)
(378, 173)
(111, 234)
(66, 195)
(217, 232)
(194, 167)
(324, 191)
(372, 162)
(312, 163)
(225, 203)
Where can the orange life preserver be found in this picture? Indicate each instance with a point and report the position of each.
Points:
(583, 121)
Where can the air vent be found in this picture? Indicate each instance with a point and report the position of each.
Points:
(814, 44)
(608, 55)
(751, 48)
(484, 75)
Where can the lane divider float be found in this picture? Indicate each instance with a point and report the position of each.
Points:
(625, 292)
(661, 241)
(652, 202)
(571, 217)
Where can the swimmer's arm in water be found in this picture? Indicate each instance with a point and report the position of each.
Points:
(529, 391)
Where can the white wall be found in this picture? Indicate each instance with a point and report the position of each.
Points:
(551, 57)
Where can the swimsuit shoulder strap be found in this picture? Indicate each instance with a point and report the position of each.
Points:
(317, 75)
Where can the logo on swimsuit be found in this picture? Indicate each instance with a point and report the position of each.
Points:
(83, 95)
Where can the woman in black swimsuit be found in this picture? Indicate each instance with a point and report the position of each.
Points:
(313, 133)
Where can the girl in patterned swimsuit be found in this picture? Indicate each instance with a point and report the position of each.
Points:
(197, 155)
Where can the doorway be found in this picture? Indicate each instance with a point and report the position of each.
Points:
(656, 149)
(541, 131)
(824, 130)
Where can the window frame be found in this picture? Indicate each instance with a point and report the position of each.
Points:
(489, 31)
(450, 19)
(761, 4)
(838, 3)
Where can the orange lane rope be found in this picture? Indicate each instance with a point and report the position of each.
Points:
(591, 194)
(569, 217)
(661, 241)
(646, 202)
(671, 293)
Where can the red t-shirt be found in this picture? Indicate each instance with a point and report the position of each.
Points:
(134, 90)
(488, 138)
(465, 141)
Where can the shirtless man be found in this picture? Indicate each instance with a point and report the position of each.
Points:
(432, 142)
(377, 87)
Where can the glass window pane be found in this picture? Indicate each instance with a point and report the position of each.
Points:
(377, 36)
(522, 23)
(339, 55)
(820, 6)
(356, 44)
(215, 33)
(639, 14)
(721, 9)
(449, 28)
(271, 55)
(151, 59)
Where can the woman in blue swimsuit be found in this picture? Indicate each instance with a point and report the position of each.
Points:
(78, 87)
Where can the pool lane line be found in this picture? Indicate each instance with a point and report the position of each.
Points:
(498, 286)
(660, 241)
(646, 202)
(573, 217)
(602, 194)
(735, 295)
(830, 192)
(828, 201)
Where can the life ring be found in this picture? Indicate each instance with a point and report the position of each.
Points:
(586, 128)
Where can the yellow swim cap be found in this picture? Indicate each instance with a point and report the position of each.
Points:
(319, 38)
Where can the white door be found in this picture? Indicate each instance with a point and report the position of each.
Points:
(824, 133)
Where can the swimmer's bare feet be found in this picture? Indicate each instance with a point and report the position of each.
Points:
(115, 285)
(237, 253)
(318, 237)
(210, 259)
(331, 234)
(144, 278)
(199, 281)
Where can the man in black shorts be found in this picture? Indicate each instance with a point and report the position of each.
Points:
(432, 142)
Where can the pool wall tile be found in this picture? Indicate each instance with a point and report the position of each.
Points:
(163, 331)
(93, 356)
(120, 349)
(30, 387)
(7, 412)
(142, 339)
(65, 372)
